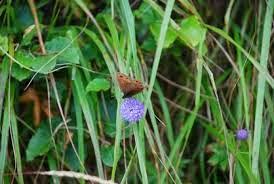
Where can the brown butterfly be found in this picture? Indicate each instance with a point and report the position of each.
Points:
(129, 86)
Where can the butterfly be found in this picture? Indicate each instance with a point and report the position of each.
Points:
(129, 86)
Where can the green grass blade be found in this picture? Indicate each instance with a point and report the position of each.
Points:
(5, 133)
(259, 67)
(4, 73)
(160, 45)
(80, 130)
(81, 95)
(166, 114)
(16, 147)
(140, 154)
(261, 87)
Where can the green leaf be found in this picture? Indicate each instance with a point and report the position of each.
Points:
(146, 14)
(98, 84)
(19, 73)
(191, 31)
(29, 34)
(71, 159)
(4, 44)
(107, 153)
(149, 44)
(170, 34)
(63, 46)
(44, 64)
(41, 141)
(41, 64)
(110, 130)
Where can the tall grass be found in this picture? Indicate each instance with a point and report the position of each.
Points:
(207, 72)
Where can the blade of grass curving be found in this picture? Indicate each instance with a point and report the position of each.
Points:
(5, 131)
(227, 15)
(118, 95)
(80, 130)
(156, 133)
(124, 179)
(261, 87)
(140, 154)
(170, 135)
(13, 123)
(115, 40)
(16, 147)
(160, 45)
(127, 16)
(243, 84)
(4, 74)
(264, 160)
(264, 73)
(81, 95)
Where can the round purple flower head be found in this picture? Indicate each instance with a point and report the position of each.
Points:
(132, 110)
(242, 134)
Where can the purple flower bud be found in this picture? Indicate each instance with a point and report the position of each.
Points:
(132, 110)
(242, 134)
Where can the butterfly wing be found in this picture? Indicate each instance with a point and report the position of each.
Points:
(128, 86)
(136, 87)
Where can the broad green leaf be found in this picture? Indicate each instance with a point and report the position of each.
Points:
(41, 64)
(98, 84)
(3, 44)
(71, 159)
(146, 13)
(107, 153)
(191, 31)
(170, 34)
(44, 64)
(62, 46)
(20, 73)
(41, 141)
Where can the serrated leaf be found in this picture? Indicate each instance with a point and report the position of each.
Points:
(41, 141)
(191, 31)
(98, 84)
(58, 44)
(170, 35)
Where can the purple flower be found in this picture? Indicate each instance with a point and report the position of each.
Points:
(242, 134)
(132, 110)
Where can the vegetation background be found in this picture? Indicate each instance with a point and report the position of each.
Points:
(208, 70)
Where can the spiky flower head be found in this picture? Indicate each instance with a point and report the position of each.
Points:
(242, 134)
(132, 110)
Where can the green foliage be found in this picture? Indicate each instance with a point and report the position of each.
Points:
(170, 35)
(98, 84)
(41, 142)
(63, 47)
(206, 69)
(191, 31)
(108, 155)
(3, 44)
(219, 157)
